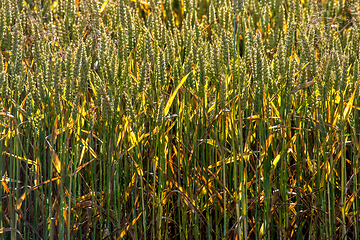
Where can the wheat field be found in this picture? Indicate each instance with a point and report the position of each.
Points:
(179, 119)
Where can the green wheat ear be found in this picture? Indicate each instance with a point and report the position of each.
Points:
(170, 50)
(188, 68)
(1, 63)
(2, 23)
(337, 71)
(3, 81)
(130, 111)
(225, 49)
(201, 73)
(98, 88)
(142, 76)
(57, 86)
(107, 104)
(5, 90)
(162, 76)
(160, 117)
(78, 60)
(355, 77)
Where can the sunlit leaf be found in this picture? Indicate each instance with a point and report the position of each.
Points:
(103, 6)
(172, 96)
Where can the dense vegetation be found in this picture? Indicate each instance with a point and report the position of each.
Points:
(179, 119)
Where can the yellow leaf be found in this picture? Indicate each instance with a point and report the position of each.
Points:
(142, 3)
(210, 25)
(24, 159)
(212, 107)
(54, 43)
(254, 117)
(129, 130)
(6, 114)
(54, 5)
(92, 86)
(277, 158)
(122, 234)
(132, 135)
(129, 188)
(77, 4)
(227, 161)
(7, 190)
(133, 77)
(350, 104)
(273, 107)
(22, 198)
(172, 97)
(83, 150)
(46, 182)
(349, 204)
(56, 160)
(121, 136)
(82, 166)
(302, 86)
(171, 126)
(211, 142)
(86, 145)
(267, 145)
(138, 169)
(103, 6)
